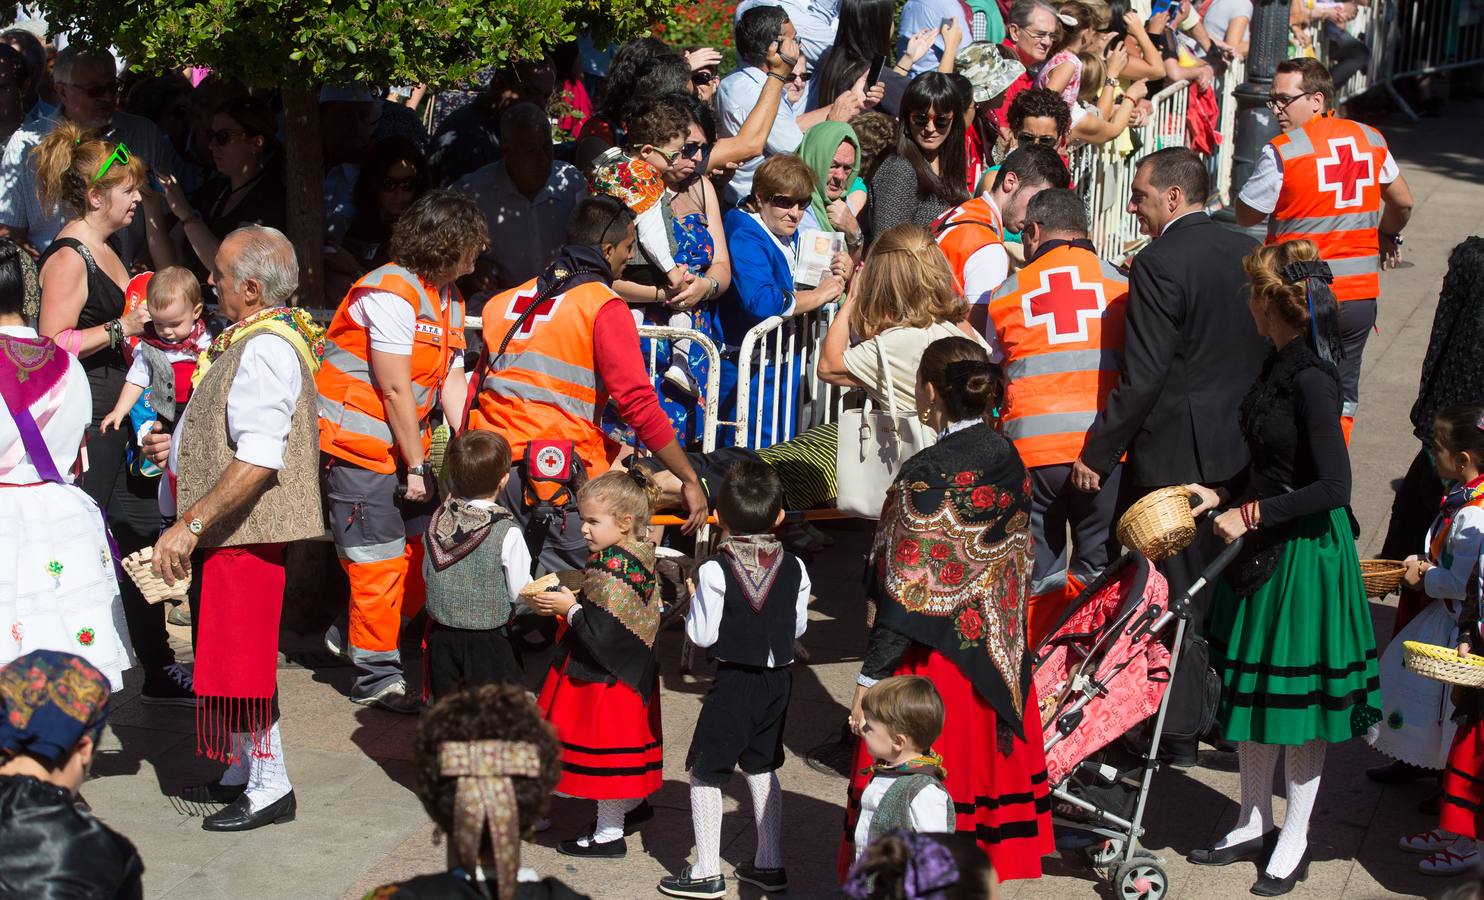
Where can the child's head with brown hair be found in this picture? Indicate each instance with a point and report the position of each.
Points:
(478, 464)
(173, 299)
(78, 174)
(750, 498)
(888, 868)
(1094, 73)
(615, 507)
(903, 716)
(1458, 442)
(1077, 22)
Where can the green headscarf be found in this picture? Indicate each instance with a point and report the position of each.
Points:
(818, 150)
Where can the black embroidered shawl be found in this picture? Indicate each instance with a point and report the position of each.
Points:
(612, 639)
(952, 562)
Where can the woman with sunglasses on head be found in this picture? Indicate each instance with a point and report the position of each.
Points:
(97, 184)
(395, 174)
(925, 176)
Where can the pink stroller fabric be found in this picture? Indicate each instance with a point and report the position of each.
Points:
(1123, 664)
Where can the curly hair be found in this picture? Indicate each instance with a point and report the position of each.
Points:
(1035, 103)
(491, 712)
(69, 164)
(906, 282)
(434, 234)
(656, 121)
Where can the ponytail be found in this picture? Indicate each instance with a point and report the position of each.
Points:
(69, 161)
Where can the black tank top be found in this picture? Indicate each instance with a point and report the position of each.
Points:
(105, 302)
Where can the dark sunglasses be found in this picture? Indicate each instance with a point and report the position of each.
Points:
(702, 77)
(692, 149)
(221, 137)
(399, 184)
(783, 201)
(800, 77)
(95, 91)
(941, 122)
(1025, 139)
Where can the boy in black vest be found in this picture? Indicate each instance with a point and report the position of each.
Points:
(750, 605)
(475, 565)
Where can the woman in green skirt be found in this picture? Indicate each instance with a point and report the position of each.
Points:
(1290, 627)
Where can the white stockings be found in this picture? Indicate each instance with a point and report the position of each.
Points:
(1257, 762)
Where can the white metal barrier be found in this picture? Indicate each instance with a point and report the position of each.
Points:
(794, 398)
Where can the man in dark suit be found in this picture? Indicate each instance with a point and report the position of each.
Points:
(1192, 352)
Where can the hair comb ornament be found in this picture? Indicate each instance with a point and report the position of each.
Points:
(1480, 424)
(1295, 272)
(485, 796)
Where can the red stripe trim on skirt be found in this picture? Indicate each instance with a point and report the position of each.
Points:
(1461, 808)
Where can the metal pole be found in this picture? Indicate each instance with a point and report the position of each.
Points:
(1256, 125)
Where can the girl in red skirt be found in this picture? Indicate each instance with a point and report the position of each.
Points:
(601, 692)
(951, 572)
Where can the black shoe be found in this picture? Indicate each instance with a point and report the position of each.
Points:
(1259, 848)
(631, 820)
(392, 698)
(171, 686)
(606, 850)
(1398, 773)
(683, 885)
(240, 816)
(1180, 760)
(213, 792)
(770, 880)
(1268, 886)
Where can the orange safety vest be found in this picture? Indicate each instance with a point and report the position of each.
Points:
(352, 417)
(546, 383)
(1060, 322)
(965, 230)
(1331, 195)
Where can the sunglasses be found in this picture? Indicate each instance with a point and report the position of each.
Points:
(119, 155)
(399, 184)
(1025, 139)
(702, 77)
(693, 149)
(669, 155)
(940, 122)
(798, 77)
(1277, 102)
(783, 201)
(96, 91)
(223, 136)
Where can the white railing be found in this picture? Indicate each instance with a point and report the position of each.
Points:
(794, 398)
(708, 406)
(1226, 102)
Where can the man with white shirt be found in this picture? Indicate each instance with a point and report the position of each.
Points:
(87, 82)
(815, 22)
(526, 197)
(244, 473)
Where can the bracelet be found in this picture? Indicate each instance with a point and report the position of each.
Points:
(1111, 82)
(115, 332)
(779, 77)
(714, 289)
(897, 68)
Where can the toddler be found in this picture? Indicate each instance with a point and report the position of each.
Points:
(165, 359)
(903, 716)
(475, 565)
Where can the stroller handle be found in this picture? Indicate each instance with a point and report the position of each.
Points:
(1180, 605)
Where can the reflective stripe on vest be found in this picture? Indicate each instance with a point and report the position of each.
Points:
(965, 230)
(1048, 423)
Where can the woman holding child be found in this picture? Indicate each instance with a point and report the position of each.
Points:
(951, 569)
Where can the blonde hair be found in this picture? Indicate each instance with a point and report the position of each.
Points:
(169, 284)
(906, 282)
(1094, 72)
(1264, 268)
(622, 494)
(68, 162)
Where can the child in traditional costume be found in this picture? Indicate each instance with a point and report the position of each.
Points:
(165, 360)
(750, 603)
(602, 690)
(903, 716)
(475, 565)
(1419, 727)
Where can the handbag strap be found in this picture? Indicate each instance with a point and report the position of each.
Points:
(891, 391)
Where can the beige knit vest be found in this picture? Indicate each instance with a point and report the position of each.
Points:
(289, 509)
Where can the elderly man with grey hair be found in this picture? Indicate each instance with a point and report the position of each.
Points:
(87, 83)
(1031, 32)
(244, 475)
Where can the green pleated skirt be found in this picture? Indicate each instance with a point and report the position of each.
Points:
(1297, 657)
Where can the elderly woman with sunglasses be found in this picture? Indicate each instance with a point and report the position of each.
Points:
(924, 177)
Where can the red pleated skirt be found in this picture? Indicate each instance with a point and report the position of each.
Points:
(1462, 804)
(610, 740)
(1003, 800)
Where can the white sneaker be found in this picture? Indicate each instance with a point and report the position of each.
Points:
(1427, 841)
(682, 380)
(1459, 856)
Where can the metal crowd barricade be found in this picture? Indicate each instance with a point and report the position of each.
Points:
(1226, 102)
(796, 399)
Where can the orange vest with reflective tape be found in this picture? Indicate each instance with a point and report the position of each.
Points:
(352, 417)
(1331, 195)
(965, 230)
(1060, 322)
(546, 383)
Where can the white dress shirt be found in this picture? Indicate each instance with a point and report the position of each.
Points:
(525, 234)
(929, 812)
(703, 621)
(61, 414)
(814, 22)
(737, 94)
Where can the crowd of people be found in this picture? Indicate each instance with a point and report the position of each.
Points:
(171, 397)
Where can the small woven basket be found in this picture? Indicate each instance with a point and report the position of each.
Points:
(1381, 576)
(1159, 525)
(571, 579)
(1443, 664)
(152, 586)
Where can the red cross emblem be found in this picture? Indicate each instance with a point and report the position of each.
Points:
(1064, 303)
(1346, 172)
(522, 302)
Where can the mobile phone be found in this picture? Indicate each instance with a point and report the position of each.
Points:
(874, 75)
(1162, 6)
(945, 24)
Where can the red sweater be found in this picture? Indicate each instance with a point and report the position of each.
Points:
(620, 365)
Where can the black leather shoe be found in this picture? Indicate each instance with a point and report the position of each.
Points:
(683, 885)
(214, 792)
(1268, 886)
(240, 816)
(1259, 848)
(606, 850)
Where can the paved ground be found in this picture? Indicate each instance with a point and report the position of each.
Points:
(359, 824)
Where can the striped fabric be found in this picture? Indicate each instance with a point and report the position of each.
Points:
(806, 465)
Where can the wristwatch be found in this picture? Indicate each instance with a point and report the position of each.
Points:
(419, 469)
(1394, 238)
(195, 526)
(854, 241)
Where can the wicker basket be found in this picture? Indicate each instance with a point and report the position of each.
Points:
(1381, 576)
(1443, 664)
(152, 586)
(1159, 525)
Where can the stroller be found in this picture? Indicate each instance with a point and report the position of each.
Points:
(1101, 672)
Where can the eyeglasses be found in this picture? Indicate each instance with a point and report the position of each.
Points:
(1040, 35)
(119, 155)
(96, 91)
(941, 122)
(1025, 139)
(692, 149)
(221, 137)
(1280, 102)
(702, 77)
(399, 184)
(783, 201)
(669, 155)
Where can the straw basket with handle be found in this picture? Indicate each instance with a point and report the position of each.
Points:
(152, 586)
(1443, 664)
(1381, 576)
(1159, 525)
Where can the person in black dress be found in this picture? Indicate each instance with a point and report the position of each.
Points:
(82, 309)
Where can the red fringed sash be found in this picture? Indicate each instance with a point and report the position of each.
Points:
(237, 647)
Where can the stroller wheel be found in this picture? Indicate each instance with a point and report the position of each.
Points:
(1105, 854)
(1140, 880)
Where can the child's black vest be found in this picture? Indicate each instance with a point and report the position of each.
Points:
(746, 637)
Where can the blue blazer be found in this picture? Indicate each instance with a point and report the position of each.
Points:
(762, 285)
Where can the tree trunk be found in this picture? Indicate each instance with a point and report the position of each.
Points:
(304, 179)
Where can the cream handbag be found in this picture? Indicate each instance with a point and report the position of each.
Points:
(871, 448)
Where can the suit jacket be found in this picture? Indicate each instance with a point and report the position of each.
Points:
(1192, 352)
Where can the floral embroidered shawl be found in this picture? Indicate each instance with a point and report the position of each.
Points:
(613, 637)
(952, 562)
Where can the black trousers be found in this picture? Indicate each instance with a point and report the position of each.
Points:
(1347, 54)
(1357, 318)
(1412, 511)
